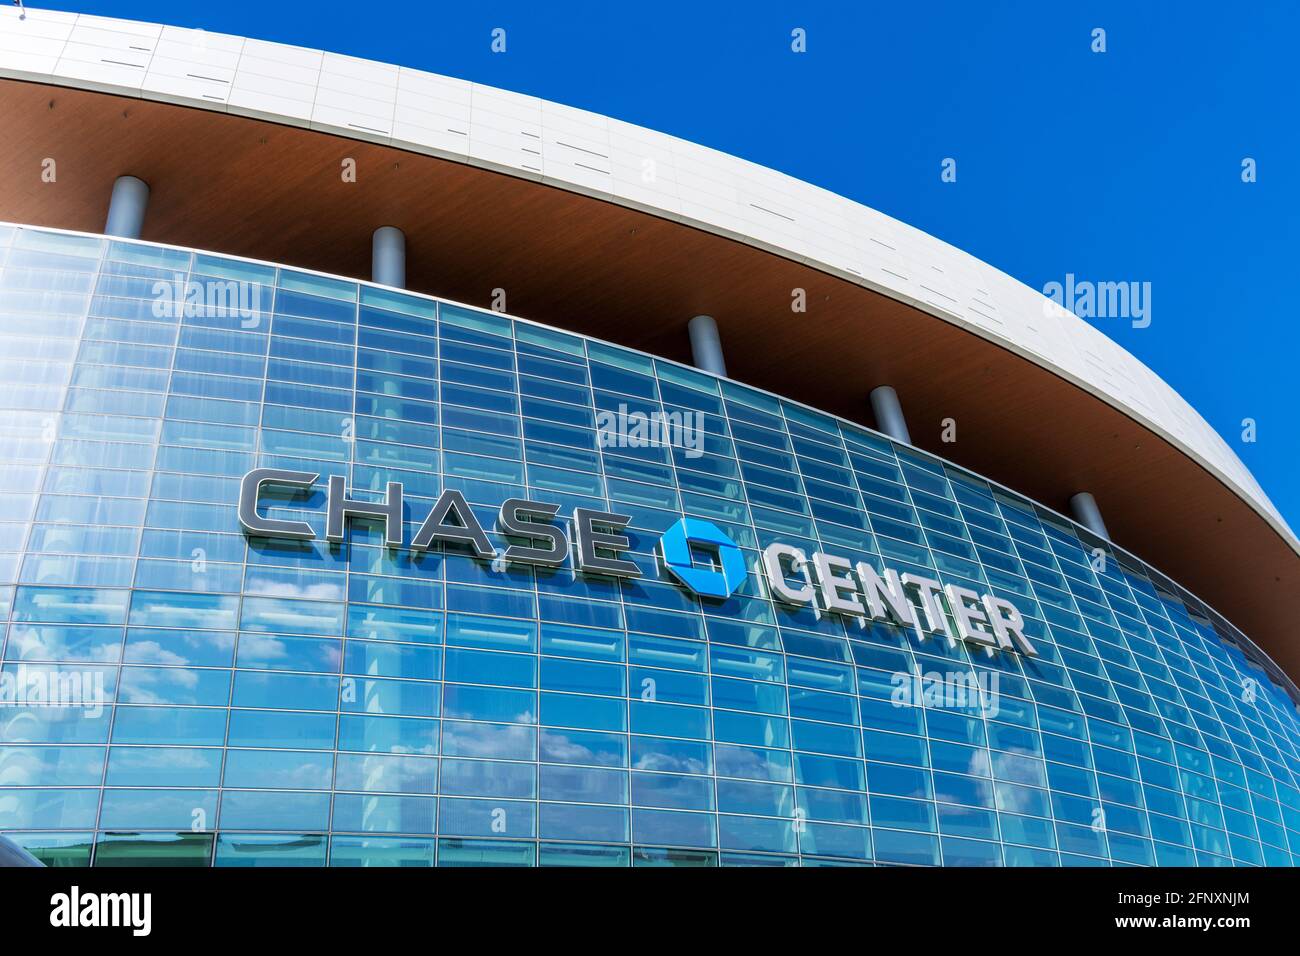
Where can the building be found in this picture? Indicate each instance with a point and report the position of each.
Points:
(721, 399)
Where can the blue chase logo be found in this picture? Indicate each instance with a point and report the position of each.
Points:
(678, 546)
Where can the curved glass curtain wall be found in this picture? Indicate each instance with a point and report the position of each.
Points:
(291, 703)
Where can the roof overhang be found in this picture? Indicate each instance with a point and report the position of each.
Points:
(958, 341)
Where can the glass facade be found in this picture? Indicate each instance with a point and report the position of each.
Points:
(211, 698)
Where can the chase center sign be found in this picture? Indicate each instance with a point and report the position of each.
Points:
(830, 583)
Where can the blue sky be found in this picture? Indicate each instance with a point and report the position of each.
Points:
(1121, 166)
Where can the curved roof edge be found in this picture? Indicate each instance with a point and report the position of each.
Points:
(618, 162)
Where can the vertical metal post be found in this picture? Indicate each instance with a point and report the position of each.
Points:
(1084, 508)
(889, 414)
(706, 346)
(127, 207)
(388, 257)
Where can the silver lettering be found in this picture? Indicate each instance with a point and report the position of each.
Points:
(437, 527)
(774, 569)
(341, 508)
(886, 599)
(251, 487)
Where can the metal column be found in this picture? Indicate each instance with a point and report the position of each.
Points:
(1084, 508)
(127, 207)
(889, 414)
(388, 257)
